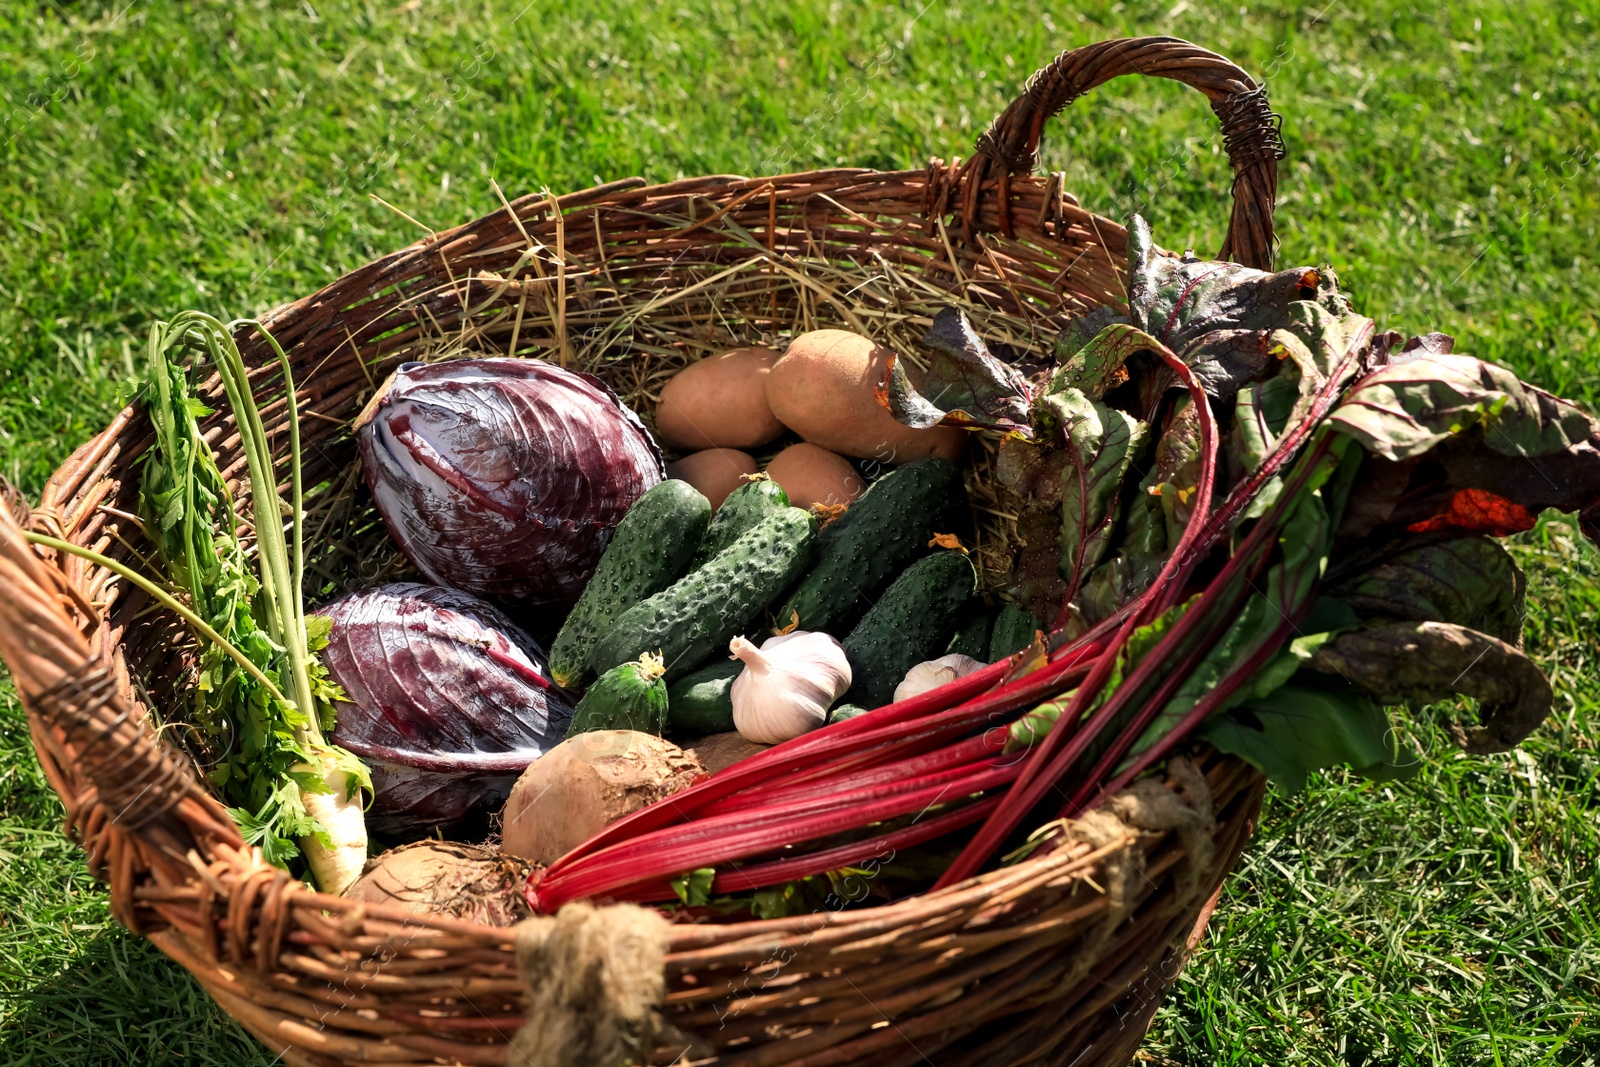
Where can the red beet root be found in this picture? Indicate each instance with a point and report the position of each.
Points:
(503, 477)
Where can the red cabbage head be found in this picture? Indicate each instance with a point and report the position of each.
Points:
(449, 700)
(503, 477)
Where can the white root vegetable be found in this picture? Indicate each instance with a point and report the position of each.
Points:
(337, 863)
(286, 711)
(282, 574)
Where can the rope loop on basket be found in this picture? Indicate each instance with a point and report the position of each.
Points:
(1184, 808)
(595, 983)
(1148, 806)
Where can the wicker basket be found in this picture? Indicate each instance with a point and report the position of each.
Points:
(1033, 963)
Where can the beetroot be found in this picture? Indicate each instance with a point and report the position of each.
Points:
(503, 477)
(449, 700)
(447, 878)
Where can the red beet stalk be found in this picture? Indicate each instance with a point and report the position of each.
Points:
(1045, 770)
(878, 739)
(875, 850)
(1202, 708)
(728, 838)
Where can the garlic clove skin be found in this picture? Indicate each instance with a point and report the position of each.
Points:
(933, 673)
(788, 684)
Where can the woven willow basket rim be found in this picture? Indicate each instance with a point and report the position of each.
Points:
(1031, 963)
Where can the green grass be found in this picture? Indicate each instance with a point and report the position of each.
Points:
(225, 156)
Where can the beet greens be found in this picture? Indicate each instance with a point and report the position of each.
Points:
(1226, 495)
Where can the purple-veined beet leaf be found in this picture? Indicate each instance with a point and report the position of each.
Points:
(964, 385)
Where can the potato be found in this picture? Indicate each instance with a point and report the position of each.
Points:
(445, 878)
(718, 752)
(573, 791)
(812, 475)
(719, 402)
(822, 389)
(716, 472)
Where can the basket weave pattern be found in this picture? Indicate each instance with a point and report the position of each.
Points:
(1026, 964)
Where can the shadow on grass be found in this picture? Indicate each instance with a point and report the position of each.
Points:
(120, 1001)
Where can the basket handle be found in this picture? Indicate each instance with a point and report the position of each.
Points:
(1249, 126)
(74, 699)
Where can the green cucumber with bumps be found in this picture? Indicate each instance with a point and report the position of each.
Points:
(698, 614)
(745, 506)
(651, 549)
(702, 702)
(910, 623)
(1013, 631)
(877, 538)
(973, 631)
(630, 696)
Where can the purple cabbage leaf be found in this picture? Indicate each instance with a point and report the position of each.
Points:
(448, 700)
(503, 477)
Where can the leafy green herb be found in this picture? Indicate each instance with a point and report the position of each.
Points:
(264, 727)
(803, 896)
(694, 887)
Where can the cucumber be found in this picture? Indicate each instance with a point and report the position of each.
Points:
(1013, 631)
(702, 702)
(697, 615)
(745, 506)
(651, 549)
(632, 696)
(973, 628)
(909, 623)
(872, 542)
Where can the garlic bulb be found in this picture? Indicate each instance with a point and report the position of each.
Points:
(787, 685)
(935, 672)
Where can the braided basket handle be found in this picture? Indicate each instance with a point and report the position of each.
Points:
(72, 691)
(1249, 126)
